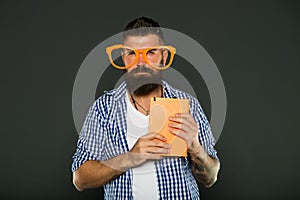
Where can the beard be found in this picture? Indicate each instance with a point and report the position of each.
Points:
(141, 85)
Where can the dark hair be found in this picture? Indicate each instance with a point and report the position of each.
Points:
(142, 26)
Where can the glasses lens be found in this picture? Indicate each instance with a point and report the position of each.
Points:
(159, 57)
(127, 54)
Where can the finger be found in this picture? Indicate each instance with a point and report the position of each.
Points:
(153, 135)
(187, 116)
(149, 135)
(183, 115)
(179, 133)
(183, 127)
(139, 158)
(157, 150)
(176, 119)
(180, 120)
(150, 156)
(189, 121)
(187, 128)
(159, 143)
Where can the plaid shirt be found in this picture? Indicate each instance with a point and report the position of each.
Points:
(103, 136)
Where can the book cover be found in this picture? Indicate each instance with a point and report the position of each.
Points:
(160, 111)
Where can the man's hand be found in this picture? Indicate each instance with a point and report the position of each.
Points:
(183, 125)
(204, 167)
(92, 174)
(148, 147)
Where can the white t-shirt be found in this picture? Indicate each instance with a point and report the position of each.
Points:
(145, 185)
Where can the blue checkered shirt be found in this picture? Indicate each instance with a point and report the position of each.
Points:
(103, 136)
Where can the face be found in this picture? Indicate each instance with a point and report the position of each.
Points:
(155, 57)
(141, 78)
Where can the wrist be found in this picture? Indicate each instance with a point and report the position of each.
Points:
(121, 162)
(127, 161)
(195, 146)
(197, 151)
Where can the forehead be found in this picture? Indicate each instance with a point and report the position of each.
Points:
(139, 42)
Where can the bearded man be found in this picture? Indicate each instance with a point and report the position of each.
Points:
(114, 147)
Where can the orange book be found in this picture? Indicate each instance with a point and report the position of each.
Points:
(160, 111)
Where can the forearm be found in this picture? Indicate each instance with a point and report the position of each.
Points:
(205, 168)
(94, 174)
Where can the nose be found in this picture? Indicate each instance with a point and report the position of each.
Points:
(140, 60)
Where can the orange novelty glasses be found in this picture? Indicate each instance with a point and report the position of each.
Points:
(123, 57)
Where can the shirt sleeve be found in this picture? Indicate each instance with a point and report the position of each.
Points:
(91, 141)
(205, 135)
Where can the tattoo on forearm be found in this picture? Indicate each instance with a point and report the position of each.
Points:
(197, 166)
(200, 172)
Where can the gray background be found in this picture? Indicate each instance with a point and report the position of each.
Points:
(255, 44)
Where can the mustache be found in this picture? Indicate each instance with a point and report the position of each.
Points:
(142, 68)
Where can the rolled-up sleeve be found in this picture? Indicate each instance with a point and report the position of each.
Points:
(205, 135)
(91, 140)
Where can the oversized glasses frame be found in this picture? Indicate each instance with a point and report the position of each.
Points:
(145, 53)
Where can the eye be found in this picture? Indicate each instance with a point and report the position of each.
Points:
(129, 52)
(152, 51)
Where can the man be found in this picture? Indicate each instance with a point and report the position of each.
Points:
(114, 149)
